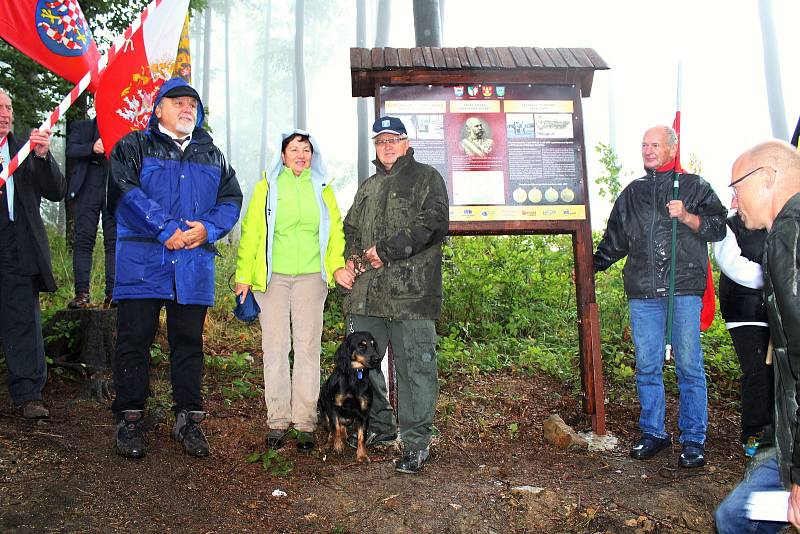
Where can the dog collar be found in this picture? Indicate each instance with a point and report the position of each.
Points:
(360, 373)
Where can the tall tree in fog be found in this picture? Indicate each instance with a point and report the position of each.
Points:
(361, 103)
(196, 36)
(299, 66)
(262, 155)
(228, 113)
(427, 23)
(441, 20)
(382, 23)
(206, 89)
(772, 71)
(381, 41)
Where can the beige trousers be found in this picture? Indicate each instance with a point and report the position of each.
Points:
(292, 306)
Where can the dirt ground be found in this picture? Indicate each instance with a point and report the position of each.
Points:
(62, 475)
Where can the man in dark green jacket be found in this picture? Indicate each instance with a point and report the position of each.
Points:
(394, 233)
(766, 190)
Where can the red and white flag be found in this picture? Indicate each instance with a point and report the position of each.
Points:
(709, 300)
(53, 33)
(130, 82)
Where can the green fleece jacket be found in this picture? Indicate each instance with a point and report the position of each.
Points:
(253, 256)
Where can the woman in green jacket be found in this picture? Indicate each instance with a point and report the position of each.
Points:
(291, 250)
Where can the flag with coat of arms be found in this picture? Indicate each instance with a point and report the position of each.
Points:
(53, 33)
(130, 82)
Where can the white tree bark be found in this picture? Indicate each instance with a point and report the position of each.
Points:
(772, 71)
(299, 66)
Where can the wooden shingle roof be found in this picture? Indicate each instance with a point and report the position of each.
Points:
(442, 66)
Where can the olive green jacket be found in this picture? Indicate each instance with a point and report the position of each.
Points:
(405, 213)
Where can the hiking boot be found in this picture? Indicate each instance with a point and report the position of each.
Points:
(372, 438)
(305, 441)
(34, 409)
(80, 301)
(130, 438)
(187, 431)
(276, 437)
(648, 446)
(411, 462)
(693, 455)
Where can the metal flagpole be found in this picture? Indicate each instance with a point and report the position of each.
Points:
(674, 243)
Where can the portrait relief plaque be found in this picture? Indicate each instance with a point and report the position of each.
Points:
(508, 152)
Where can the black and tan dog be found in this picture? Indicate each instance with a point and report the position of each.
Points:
(346, 396)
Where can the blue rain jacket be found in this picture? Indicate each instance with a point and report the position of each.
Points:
(153, 190)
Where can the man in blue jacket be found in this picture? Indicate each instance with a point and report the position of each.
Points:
(173, 195)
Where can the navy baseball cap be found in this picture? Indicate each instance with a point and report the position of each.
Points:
(388, 125)
(182, 90)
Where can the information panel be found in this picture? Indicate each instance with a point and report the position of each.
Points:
(508, 152)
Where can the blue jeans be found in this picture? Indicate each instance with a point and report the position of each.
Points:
(648, 322)
(731, 514)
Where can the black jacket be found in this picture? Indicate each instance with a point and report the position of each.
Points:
(739, 303)
(781, 278)
(640, 228)
(34, 179)
(81, 156)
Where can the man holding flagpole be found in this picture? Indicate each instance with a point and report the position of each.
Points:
(640, 227)
(25, 268)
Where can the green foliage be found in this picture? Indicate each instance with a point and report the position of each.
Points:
(157, 356)
(513, 430)
(609, 182)
(272, 462)
(509, 306)
(236, 362)
(63, 330)
(245, 380)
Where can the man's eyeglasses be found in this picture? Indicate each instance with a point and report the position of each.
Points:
(739, 180)
(389, 140)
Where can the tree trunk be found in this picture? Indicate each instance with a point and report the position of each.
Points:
(228, 152)
(382, 24)
(772, 71)
(612, 113)
(381, 40)
(299, 66)
(361, 104)
(441, 21)
(262, 156)
(206, 56)
(195, 34)
(427, 29)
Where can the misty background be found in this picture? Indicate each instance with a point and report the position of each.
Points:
(267, 66)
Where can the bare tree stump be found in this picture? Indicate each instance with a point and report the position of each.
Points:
(83, 341)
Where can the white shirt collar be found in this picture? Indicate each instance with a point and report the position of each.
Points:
(186, 139)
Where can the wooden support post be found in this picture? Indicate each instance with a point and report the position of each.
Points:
(588, 328)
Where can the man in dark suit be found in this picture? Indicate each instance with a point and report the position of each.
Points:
(25, 261)
(86, 194)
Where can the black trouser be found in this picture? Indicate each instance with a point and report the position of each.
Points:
(87, 207)
(750, 343)
(137, 324)
(20, 325)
